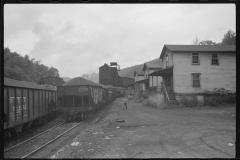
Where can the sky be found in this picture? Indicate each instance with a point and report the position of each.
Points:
(77, 39)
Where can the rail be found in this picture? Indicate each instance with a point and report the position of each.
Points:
(166, 92)
(33, 137)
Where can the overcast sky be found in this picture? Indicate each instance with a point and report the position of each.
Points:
(79, 38)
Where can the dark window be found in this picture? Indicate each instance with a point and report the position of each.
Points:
(196, 79)
(195, 58)
(215, 59)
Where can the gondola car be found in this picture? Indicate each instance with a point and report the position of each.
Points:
(25, 103)
(78, 98)
(112, 92)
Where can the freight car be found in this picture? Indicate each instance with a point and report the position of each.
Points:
(80, 98)
(25, 103)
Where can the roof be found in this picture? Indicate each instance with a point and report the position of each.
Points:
(128, 78)
(80, 81)
(104, 65)
(199, 48)
(110, 86)
(22, 84)
(140, 73)
(162, 72)
(157, 63)
(142, 81)
(50, 76)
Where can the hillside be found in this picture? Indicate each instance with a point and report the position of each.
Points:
(94, 77)
(126, 72)
(129, 71)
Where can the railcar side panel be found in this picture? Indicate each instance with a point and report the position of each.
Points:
(44, 102)
(25, 105)
(12, 105)
(54, 98)
(36, 104)
(30, 102)
(19, 105)
(40, 103)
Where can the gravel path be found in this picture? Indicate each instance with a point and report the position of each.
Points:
(155, 133)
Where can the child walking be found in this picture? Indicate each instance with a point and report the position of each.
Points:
(125, 102)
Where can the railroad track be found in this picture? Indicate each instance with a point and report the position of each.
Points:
(36, 143)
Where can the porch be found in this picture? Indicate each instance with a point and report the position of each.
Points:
(167, 86)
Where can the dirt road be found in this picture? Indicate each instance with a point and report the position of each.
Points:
(156, 133)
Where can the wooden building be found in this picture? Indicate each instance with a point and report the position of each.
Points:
(138, 84)
(151, 81)
(127, 81)
(190, 69)
(50, 80)
(109, 76)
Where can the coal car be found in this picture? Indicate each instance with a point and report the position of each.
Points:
(78, 98)
(25, 103)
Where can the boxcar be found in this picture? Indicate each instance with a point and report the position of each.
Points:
(25, 102)
(78, 98)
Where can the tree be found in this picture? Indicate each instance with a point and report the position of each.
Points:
(207, 42)
(53, 72)
(196, 41)
(24, 68)
(229, 38)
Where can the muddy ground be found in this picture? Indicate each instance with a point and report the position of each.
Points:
(145, 132)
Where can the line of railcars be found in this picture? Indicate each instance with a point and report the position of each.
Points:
(25, 103)
(80, 98)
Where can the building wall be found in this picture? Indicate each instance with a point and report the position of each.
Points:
(170, 59)
(212, 76)
(105, 75)
(138, 78)
(127, 81)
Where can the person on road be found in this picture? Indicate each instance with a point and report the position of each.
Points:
(125, 102)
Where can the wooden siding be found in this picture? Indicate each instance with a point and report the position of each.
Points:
(170, 59)
(138, 78)
(212, 76)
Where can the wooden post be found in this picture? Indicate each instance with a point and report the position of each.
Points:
(89, 103)
(73, 102)
(68, 101)
(152, 81)
(62, 100)
(82, 101)
(157, 79)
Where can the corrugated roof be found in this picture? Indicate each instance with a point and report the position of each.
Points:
(157, 63)
(80, 81)
(22, 84)
(199, 48)
(140, 73)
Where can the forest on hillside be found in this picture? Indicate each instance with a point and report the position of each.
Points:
(25, 69)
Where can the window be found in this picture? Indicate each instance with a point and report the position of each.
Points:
(167, 61)
(196, 79)
(195, 58)
(214, 59)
